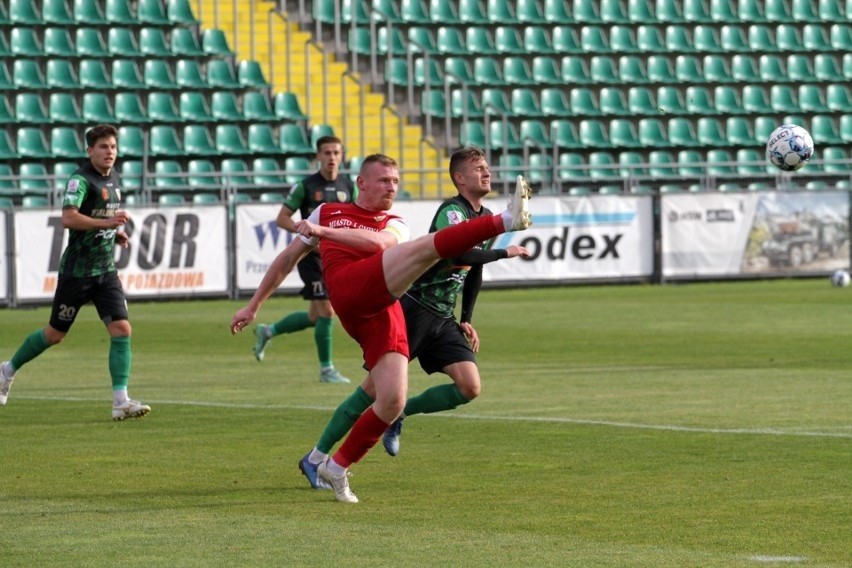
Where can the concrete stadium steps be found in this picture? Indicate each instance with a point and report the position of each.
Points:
(249, 38)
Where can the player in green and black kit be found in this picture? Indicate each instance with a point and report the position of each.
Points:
(90, 212)
(435, 338)
(325, 186)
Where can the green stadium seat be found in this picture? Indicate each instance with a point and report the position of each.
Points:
(554, 102)
(171, 200)
(838, 98)
(257, 107)
(584, 102)
(251, 75)
(287, 107)
(679, 39)
(153, 43)
(723, 11)
(720, 162)
(230, 140)
(183, 42)
(537, 40)
(836, 154)
(202, 174)
(750, 11)
(586, 11)
(696, 11)
(815, 37)
(235, 172)
(540, 169)
(456, 70)
(594, 40)
(669, 12)
(225, 107)
(734, 39)
(220, 75)
(464, 103)
(293, 140)
(179, 12)
(118, 13)
(396, 72)
(414, 12)
(450, 41)
(131, 175)
(56, 12)
(824, 130)
(661, 70)
(750, 162)
(93, 75)
(433, 72)
(710, 132)
(443, 12)
(623, 134)
(830, 11)
(744, 68)
(158, 75)
(472, 12)
(726, 100)
(556, 12)
(782, 99)
(495, 101)
(631, 164)
(31, 143)
(131, 142)
(761, 38)
(706, 39)
(612, 101)
(126, 75)
(27, 74)
(169, 176)
(267, 172)
(318, 131)
(622, 39)
(631, 69)
(593, 133)
(563, 134)
(777, 11)
(205, 199)
(88, 12)
(571, 165)
(545, 70)
(613, 12)
(128, 108)
(841, 37)
(529, 12)
(681, 132)
(579, 191)
(699, 100)
(602, 165)
(63, 108)
(35, 179)
(755, 99)
(764, 126)
(161, 108)
(812, 98)
(500, 12)
(716, 69)
(670, 100)
(687, 163)
(799, 68)
(62, 171)
(394, 43)
(214, 43)
(650, 39)
(24, 13)
(534, 132)
(486, 71)
(164, 141)
(121, 42)
(197, 141)
(386, 11)
(90, 43)
(641, 101)
(34, 202)
(688, 69)
(25, 43)
(652, 133)
(151, 12)
(297, 167)
(421, 40)
(640, 12)
(507, 39)
(7, 147)
(603, 69)
(472, 133)
(827, 68)
(804, 11)
(565, 40)
(516, 71)
(60, 75)
(433, 103)
(30, 109)
(5, 50)
(787, 38)
(525, 103)
(271, 197)
(7, 115)
(501, 138)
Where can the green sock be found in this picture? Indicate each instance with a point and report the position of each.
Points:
(119, 362)
(343, 418)
(297, 321)
(435, 399)
(323, 339)
(34, 345)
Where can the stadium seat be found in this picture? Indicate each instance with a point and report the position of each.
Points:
(652, 133)
(126, 75)
(472, 133)
(25, 43)
(450, 41)
(421, 40)
(486, 71)
(164, 141)
(179, 12)
(27, 74)
(117, 12)
(602, 165)
(456, 70)
(688, 163)
(63, 108)
(584, 102)
(529, 12)
(90, 43)
(286, 106)
(565, 40)
(131, 175)
(710, 132)
(501, 138)
(534, 132)
(554, 102)
(594, 40)
(681, 132)
(214, 43)
(556, 12)
(131, 141)
(650, 39)
(661, 70)
(688, 69)
(750, 11)
(726, 100)
(804, 11)
(171, 200)
(799, 67)
(516, 71)
(508, 40)
(169, 176)
(678, 39)
(202, 174)
(183, 42)
(443, 12)
(293, 140)
(162, 108)
(6, 81)
(706, 39)
(545, 70)
(205, 199)
(720, 162)
(764, 126)
(716, 69)
(151, 12)
(7, 147)
(631, 69)
(224, 106)
(433, 73)
(755, 99)
(640, 101)
(29, 109)
(761, 38)
(841, 37)
(197, 141)
(834, 156)
(472, 12)
(782, 99)
(812, 99)
(699, 100)
(235, 172)
(56, 12)
(777, 11)
(603, 69)
(838, 98)
(524, 103)
(31, 143)
(815, 37)
(188, 74)
(827, 68)
(750, 161)
(593, 133)
(93, 75)
(631, 164)
(23, 12)
(563, 134)
(60, 75)
(230, 141)
(251, 75)
(787, 38)
(158, 75)
(744, 68)
(319, 131)
(611, 101)
(500, 12)
(121, 42)
(571, 165)
(464, 103)
(414, 12)
(540, 169)
(738, 131)
(268, 172)
(257, 107)
(622, 39)
(824, 130)
(586, 11)
(495, 101)
(623, 134)
(7, 115)
(35, 179)
(220, 75)
(128, 108)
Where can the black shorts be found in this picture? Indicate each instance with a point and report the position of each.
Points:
(72, 292)
(434, 341)
(310, 270)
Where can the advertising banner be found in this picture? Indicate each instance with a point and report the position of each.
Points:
(581, 238)
(172, 252)
(717, 234)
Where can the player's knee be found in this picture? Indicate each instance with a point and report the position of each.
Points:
(470, 390)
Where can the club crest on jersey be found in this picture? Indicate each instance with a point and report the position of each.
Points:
(342, 196)
(105, 194)
(72, 186)
(378, 218)
(454, 217)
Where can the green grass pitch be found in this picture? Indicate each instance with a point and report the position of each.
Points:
(699, 425)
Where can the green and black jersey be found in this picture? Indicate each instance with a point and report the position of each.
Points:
(438, 289)
(91, 253)
(315, 190)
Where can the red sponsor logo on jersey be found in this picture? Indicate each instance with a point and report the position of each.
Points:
(104, 194)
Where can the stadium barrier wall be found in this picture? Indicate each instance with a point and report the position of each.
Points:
(223, 251)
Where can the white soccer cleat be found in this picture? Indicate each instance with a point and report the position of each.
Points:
(6, 378)
(340, 484)
(519, 205)
(130, 409)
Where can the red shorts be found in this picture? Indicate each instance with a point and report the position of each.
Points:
(366, 309)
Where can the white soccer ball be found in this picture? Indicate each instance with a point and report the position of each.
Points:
(789, 147)
(840, 278)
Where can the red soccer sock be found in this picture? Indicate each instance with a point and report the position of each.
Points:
(364, 435)
(458, 239)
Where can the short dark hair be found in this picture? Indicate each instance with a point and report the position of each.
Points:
(328, 140)
(100, 131)
(462, 155)
(377, 159)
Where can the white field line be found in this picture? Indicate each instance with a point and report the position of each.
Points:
(779, 559)
(496, 418)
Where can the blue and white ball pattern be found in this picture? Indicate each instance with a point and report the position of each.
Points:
(789, 147)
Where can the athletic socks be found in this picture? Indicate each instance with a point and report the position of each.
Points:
(435, 399)
(297, 321)
(364, 435)
(457, 239)
(120, 358)
(34, 345)
(323, 339)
